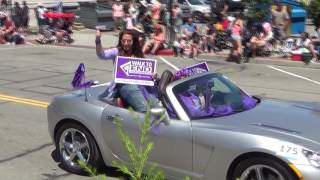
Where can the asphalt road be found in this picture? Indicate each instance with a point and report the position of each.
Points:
(41, 72)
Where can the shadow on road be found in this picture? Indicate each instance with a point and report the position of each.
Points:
(25, 153)
(105, 170)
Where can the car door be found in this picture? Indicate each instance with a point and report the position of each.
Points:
(172, 150)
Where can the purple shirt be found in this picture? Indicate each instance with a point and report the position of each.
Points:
(106, 54)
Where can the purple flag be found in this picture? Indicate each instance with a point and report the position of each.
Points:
(192, 70)
(79, 77)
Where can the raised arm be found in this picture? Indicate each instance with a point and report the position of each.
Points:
(99, 49)
(107, 53)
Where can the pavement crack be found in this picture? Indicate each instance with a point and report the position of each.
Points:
(25, 153)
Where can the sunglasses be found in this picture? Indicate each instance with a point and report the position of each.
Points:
(129, 41)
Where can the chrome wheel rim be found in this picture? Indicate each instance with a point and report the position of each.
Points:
(74, 146)
(261, 172)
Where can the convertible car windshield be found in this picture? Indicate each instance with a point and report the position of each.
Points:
(212, 95)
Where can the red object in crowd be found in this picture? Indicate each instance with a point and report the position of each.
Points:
(296, 57)
(165, 52)
(57, 15)
(225, 24)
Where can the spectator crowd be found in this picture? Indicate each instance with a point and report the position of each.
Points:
(242, 36)
(245, 38)
(13, 23)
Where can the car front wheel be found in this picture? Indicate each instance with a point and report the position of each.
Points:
(74, 143)
(262, 168)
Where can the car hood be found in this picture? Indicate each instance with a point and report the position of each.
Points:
(283, 120)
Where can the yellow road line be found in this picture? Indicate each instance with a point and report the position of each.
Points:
(24, 101)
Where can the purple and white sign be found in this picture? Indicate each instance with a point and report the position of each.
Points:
(135, 71)
(193, 70)
(198, 68)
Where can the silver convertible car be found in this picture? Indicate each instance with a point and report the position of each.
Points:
(213, 130)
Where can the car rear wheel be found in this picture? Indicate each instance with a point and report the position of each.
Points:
(74, 143)
(262, 169)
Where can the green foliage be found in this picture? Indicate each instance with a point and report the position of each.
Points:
(257, 9)
(139, 153)
(314, 12)
(187, 178)
(91, 171)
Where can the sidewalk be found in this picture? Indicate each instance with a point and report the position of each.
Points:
(86, 39)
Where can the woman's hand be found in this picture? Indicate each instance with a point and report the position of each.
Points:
(98, 34)
(154, 76)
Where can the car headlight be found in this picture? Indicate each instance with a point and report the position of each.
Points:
(313, 157)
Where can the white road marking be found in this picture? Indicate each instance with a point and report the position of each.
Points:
(15, 47)
(168, 63)
(29, 43)
(292, 74)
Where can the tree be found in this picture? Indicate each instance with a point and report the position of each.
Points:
(314, 12)
(259, 10)
(138, 153)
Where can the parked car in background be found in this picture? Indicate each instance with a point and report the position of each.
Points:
(234, 5)
(199, 10)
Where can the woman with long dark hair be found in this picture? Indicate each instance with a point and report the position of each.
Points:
(129, 46)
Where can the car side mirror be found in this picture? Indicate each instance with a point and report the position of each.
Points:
(162, 114)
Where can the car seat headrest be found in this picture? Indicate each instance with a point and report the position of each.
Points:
(165, 79)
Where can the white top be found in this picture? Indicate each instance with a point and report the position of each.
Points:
(41, 12)
(304, 43)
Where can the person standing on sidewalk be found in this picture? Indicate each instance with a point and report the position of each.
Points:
(16, 15)
(59, 6)
(236, 35)
(42, 21)
(219, 8)
(177, 18)
(156, 12)
(25, 17)
(117, 13)
(3, 6)
(280, 21)
(134, 12)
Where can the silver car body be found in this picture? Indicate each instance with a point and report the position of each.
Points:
(197, 6)
(201, 149)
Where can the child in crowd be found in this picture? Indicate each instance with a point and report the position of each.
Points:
(129, 21)
(179, 45)
(209, 37)
(195, 45)
(305, 42)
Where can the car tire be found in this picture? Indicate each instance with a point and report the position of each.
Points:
(273, 169)
(74, 141)
(197, 17)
